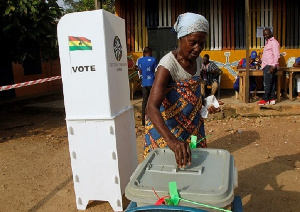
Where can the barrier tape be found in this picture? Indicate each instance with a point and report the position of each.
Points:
(33, 82)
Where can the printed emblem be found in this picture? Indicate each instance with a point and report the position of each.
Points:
(117, 48)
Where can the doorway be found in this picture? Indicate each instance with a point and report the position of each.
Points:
(162, 41)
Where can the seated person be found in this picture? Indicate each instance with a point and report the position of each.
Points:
(297, 76)
(252, 84)
(253, 62)
(209, 75)
(242, 64)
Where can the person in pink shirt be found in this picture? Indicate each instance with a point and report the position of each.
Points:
(270, 63)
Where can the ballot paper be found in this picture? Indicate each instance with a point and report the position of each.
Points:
(209, 101)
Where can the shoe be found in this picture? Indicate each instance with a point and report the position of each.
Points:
(262, 102)
(272, 101)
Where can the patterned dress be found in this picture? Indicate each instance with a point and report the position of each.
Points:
(180, 109)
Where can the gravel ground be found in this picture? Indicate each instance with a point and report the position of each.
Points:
(36, 172)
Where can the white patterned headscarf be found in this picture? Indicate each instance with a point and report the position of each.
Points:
(188, 23)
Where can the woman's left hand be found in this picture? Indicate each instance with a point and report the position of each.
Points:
(212, 110)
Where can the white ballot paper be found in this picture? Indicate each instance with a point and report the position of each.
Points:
(209, 101)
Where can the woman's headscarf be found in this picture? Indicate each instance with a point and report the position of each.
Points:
(188, 23)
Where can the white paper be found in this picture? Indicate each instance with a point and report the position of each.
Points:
(209, 101)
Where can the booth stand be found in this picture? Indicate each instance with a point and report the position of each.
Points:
(99, 117)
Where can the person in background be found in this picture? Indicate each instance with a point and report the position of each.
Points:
(146, 66)
(270, 63)
(297, 76)
(252, 65)
(209, 75)
(174, 105)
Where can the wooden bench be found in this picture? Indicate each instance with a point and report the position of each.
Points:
(256, 73)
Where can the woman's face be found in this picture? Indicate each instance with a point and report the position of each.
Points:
(192, 45)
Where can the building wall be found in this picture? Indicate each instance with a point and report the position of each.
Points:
(134, 13)
(234, 56)
(226, 42)
(49, 69)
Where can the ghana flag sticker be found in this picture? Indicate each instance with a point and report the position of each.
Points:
(79, 43)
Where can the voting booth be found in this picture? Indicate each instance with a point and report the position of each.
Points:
(99, 117)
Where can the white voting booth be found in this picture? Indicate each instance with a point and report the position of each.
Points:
(100, 119)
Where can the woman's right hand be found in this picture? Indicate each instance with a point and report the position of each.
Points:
(181, 149)
(183, 154)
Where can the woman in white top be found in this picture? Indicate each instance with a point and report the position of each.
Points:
(174, 105)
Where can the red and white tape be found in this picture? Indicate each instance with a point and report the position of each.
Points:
(33, 82)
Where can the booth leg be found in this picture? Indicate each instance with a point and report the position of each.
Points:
(81, 203)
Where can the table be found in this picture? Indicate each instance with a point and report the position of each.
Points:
(291, 71)
(256, 73)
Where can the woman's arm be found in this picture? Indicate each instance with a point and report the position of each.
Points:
(157, 95)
